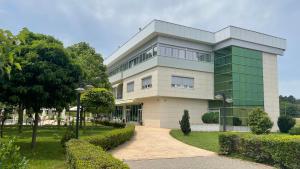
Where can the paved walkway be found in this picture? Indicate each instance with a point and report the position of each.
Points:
(154, 143)
(154, 148)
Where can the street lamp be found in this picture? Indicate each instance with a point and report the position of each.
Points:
(79, 91)
(224, 99)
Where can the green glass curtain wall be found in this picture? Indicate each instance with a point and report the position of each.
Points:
(238, 73)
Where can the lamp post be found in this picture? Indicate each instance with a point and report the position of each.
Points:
(79, 91)
(225, 100)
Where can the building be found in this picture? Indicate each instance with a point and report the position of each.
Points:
(166, 68)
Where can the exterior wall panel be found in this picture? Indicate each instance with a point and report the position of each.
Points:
(271, 96)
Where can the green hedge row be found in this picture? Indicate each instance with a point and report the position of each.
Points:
(83, 155)
(112, 139)
(280, 150)
(113, 124)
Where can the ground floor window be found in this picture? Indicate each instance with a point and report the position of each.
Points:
(118, 113)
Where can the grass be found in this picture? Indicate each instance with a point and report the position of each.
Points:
(49, 154)
(205, 140)
(298, 122)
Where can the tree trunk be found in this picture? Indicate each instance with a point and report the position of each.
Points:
(58, 118)
(34, 130)
(2, 126)
(20, 118)
(84, 119)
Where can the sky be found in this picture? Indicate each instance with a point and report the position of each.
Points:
(107, 24)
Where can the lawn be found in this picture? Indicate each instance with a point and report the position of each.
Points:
(49, 154)
(298, 122)
(204, 140)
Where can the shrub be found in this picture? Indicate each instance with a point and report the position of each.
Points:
(259, 121)
(113, 124)
(228, 143)
(236, 121)
(83, 155)
(295, 131)
(113, 138)
(10, 157)
(68, 135)
(278, 150)
(211, 118)
(185, 123)
(285, 123)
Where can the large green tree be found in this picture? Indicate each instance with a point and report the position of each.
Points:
(91, 63)
(8, 45)
(99, 101)
(48, 77)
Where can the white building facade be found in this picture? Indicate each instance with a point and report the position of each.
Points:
(168, 68)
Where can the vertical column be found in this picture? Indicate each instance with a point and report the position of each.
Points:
(271, 96)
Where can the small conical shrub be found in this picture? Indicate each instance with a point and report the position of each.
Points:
(185, 123)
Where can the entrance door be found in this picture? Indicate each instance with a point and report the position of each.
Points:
(134, 113)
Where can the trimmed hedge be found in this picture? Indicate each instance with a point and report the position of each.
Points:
(113, 124)
(113, 138)
(279, 150)
(83, 155)
(211, 118)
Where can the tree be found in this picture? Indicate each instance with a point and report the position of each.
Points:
(259, 121)
(91, 63)
(48, 77)
(8, 43)
(98, 101)
(185, 123)
(5, 113)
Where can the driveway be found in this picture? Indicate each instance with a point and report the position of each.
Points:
(154, 148)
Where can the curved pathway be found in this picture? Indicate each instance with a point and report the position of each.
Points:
(155, 148)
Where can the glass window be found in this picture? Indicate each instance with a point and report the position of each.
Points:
(147, 82)
(175, 53)
(168, 52)
(130, 87)
(181, 53)
(191, 55)
(182, 82)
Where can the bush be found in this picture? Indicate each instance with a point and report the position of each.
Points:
(295, 131)
(259, 122)
(285, 123)
(83, 155)
(278, 150)
(228, 143)
(185, 123)
(236, 121)
(10, 157)
(211, 118)
(113, 138)
(68, 135)
(113, 124)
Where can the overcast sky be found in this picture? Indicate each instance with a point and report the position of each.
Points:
(106, 24)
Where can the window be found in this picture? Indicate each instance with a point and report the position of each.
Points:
(182, 82)
(168, 52)
(130, 87)
(147, 82)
